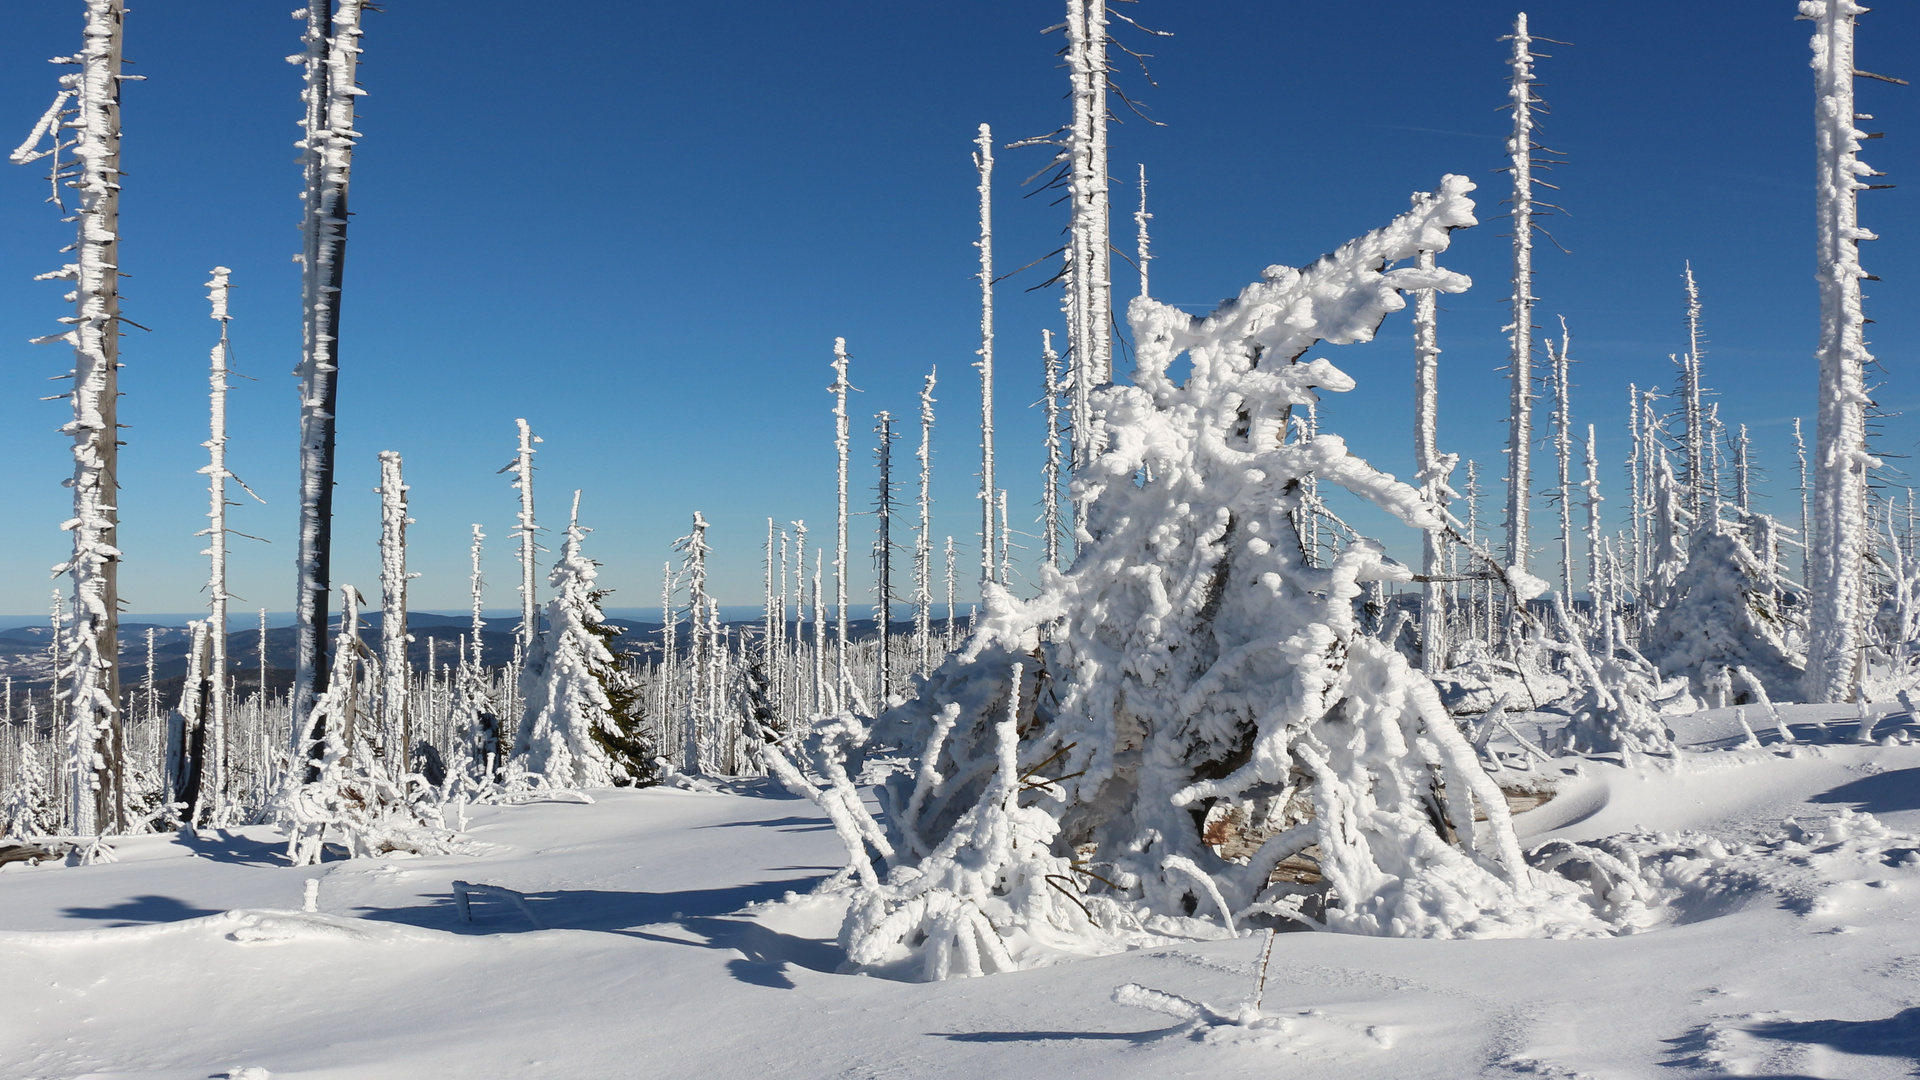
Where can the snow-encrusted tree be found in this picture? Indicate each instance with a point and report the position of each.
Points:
(1841, 532)
(1524, 155)
(528, 530)
(330, 90)
(1727, 610)
(85, 119)
(348, 794)
(983, 164)
(396, 673)
(568, 712)
(215, 764)
(1195, 676)
(923, 538)
(474, 714)
(1431, 468)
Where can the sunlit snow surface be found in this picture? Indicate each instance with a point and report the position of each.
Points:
(654, 942)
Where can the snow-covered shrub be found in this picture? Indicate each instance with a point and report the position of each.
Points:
(351, 795)
(1194, 658)
(1726, 611)
(569, 725)
(1612, 708)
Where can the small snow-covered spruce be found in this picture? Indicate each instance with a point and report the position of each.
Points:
(331, 63)
(696, 750)
(1194, 677)
(1727, 609)
(1839, 545)
(97, 762)
(30, 807)
(569, 715)
(631, 749)
(348, 794)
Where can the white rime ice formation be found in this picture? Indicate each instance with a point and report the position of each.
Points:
(85, 119)
(1841, 532)
(1520, 355)
(566, 703)
(1726, 611)
(396, 675)
(350, 794)
(475, 713)
(522, 469)
(1196, 668)
(983, 163)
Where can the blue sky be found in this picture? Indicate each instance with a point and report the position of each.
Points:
(641, 227)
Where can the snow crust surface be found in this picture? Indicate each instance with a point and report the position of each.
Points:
(1771, 948)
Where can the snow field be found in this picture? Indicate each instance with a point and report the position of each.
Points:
(671, 947)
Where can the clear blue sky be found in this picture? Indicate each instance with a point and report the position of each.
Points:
(641, 226)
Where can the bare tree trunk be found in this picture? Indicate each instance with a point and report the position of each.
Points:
(333, 52)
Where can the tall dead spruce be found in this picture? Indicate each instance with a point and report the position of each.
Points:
(1841, 533)
(85, 119)
(1523, 153)
(333, 52)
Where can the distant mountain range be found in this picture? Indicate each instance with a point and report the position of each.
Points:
(25, 658)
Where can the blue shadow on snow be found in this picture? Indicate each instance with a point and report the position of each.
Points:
(1881, 793)
(141, 910)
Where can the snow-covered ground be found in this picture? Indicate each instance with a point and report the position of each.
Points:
(654, 942)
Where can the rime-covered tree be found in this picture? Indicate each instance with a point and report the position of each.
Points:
(1525, 155)
(527, 530)
(1194, 665)
(1728, 609)
(85, 119)
(568, 713)
(396, 674)
(1841, 536)
(351, 795)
